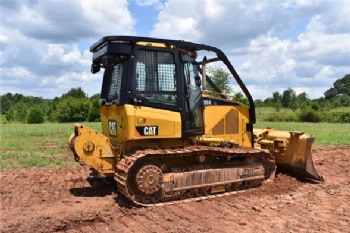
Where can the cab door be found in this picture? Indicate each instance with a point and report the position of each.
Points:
(193, 123)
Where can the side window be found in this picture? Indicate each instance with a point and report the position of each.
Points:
(156, 77)
(111, 84)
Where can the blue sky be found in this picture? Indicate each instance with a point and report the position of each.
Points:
(274, 45)
(145, 15)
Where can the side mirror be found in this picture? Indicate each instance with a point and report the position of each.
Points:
(198, 81)
(95, 68)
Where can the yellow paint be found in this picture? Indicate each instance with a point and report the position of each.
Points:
(214, 114)
(163, 45)
(94, 149)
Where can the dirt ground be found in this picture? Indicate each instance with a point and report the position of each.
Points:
(65, 200)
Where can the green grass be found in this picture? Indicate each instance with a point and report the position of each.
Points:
(24, 145)
(45, 145)
(325, 133)
(336, 115)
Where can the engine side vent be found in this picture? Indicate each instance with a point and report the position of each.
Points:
(228, 125)
(219, 128)
(231, 119)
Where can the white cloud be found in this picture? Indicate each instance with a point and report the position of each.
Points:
(269, 61)
(329, 16)
(272, 44)
(3, 39)
(176, 21)
(64, 54)
(323, 48)
(212, 9)
(108, 16)
(43, 38)
(70, 20)
(20, 72)
(146, 2)
(248, 32)
(68, 79)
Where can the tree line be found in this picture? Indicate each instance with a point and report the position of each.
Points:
(304, 109)
(316, 110)
(337, 96)
(76, 106)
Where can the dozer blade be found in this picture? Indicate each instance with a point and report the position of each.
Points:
(292, 151)
(299, 161)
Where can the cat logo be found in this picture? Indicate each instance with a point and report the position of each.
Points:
(112, 125)
(147, 131)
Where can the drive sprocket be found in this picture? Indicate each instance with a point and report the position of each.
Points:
(148, 179)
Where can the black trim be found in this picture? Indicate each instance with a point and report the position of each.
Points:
(115, 48)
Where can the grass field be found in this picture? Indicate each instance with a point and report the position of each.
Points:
(325, 133)
(24, 145)
(264, 112)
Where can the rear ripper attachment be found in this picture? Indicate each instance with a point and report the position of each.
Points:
(93, 149)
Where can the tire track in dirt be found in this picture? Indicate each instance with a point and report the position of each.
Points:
(65, 200)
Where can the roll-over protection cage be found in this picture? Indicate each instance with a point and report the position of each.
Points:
(99, 49)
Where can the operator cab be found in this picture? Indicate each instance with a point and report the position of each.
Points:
(151, 75)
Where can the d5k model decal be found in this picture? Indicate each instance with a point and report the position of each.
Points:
(147, 130)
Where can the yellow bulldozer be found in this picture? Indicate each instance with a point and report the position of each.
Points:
(166, 138)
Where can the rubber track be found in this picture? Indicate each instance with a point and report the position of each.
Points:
(125, 164)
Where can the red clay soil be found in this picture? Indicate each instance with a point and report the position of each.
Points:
(66, 200)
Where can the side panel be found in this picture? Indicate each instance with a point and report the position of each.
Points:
(228, 123)
(113, 119)
(129, 122)
(146, 123)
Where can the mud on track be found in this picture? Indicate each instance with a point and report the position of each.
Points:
(66, 200)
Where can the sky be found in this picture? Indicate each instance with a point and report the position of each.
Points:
(273, 44)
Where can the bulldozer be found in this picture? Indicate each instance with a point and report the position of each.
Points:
(167, 138)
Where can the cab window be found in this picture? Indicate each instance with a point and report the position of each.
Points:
(156, 77)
